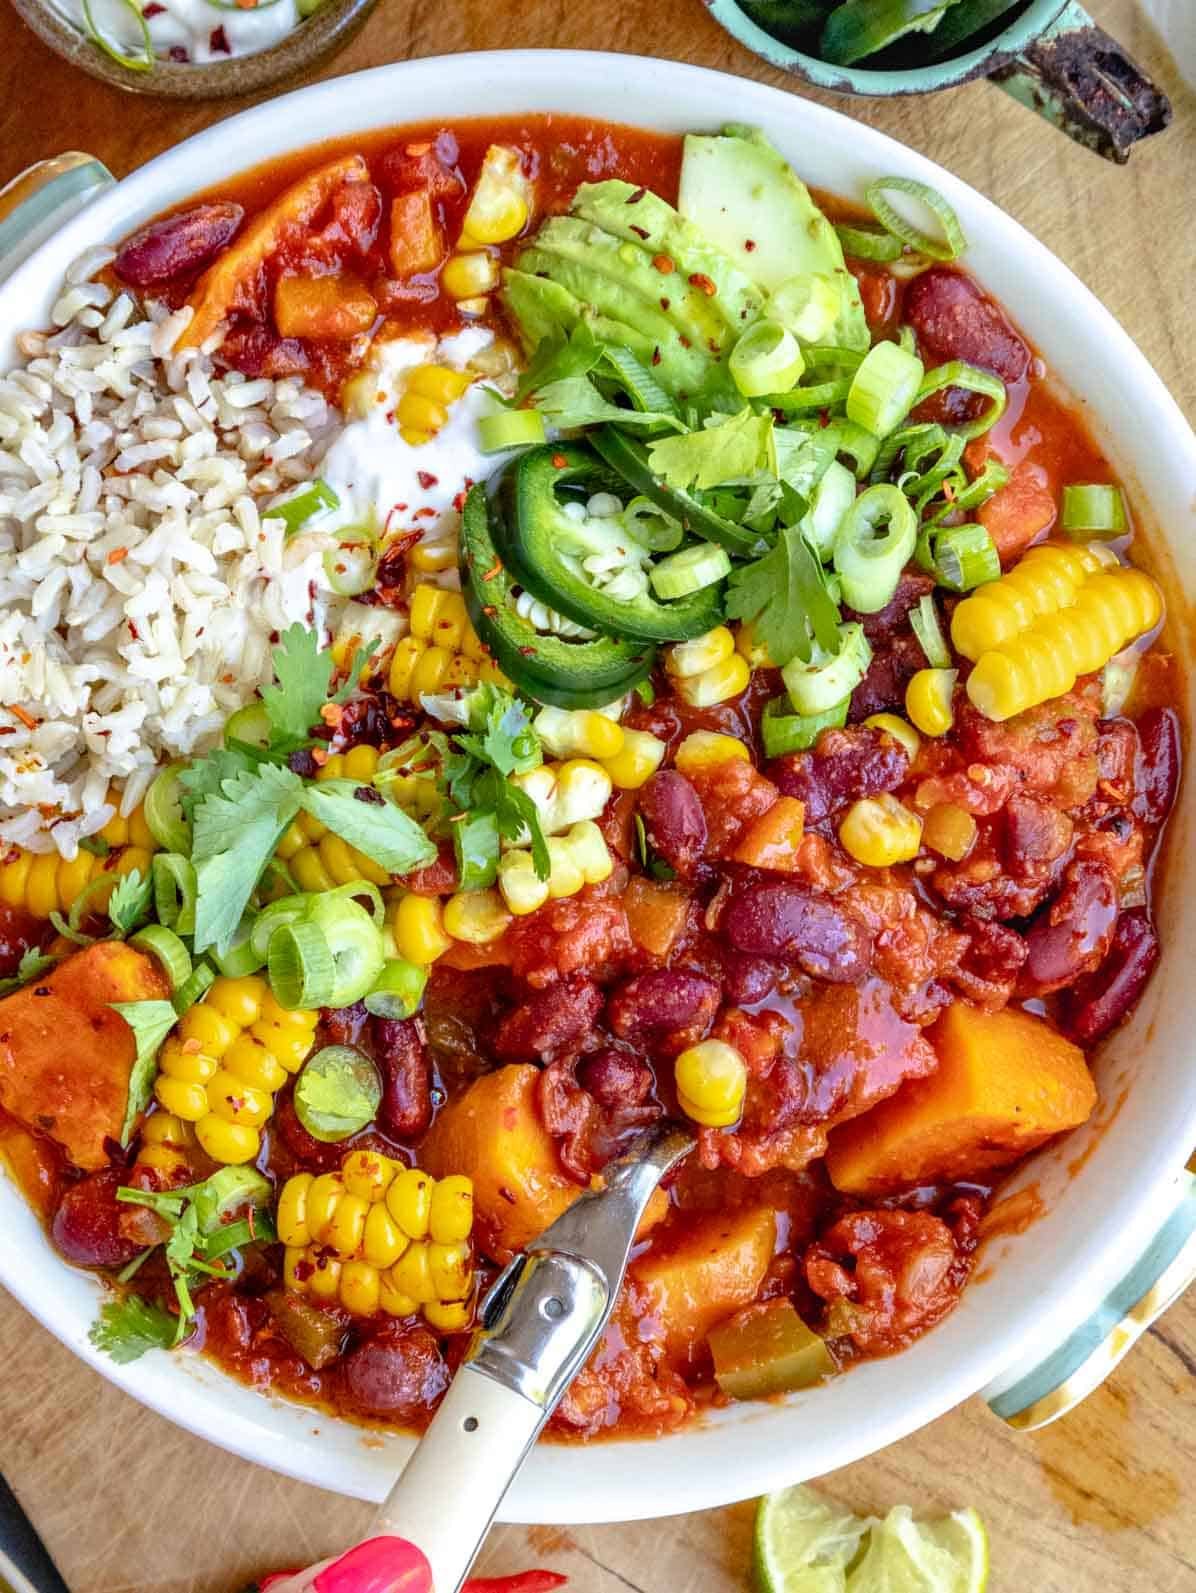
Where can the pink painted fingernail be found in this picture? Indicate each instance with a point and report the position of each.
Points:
(379, 1565)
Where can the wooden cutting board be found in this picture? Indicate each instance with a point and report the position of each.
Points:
(1102, 1502)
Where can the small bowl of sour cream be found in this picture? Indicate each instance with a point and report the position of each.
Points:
(195, 49)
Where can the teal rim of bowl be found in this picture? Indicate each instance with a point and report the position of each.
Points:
(914, 80)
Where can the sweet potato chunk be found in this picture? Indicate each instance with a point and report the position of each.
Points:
(416, 243)
(332, 308)
(710, 1270)
(1006, 1081)
(65, 1056)
(494, 1135)
(225, 284)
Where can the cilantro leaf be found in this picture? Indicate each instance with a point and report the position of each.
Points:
(206, 776)
(784, 595)
(555, 359)
(151, 1022)
(575, 401)
(129, 903)
(516, 814)
(235, 833)
(500, 731)
(127, 1328)
(34, 962)
(303, 674)
(387, 835)
(734, 448)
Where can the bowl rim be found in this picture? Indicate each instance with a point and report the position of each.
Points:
(742, 1453)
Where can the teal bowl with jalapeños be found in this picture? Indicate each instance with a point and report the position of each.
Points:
(1048, 54)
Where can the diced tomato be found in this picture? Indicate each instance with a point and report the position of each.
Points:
(1020, 512)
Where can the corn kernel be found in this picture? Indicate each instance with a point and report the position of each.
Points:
(589, 851)
(421, 414)
(901, 731)
(578, 732)
(230, 1143)
(448, 1316)
(879, 831)
(409, 1201)
(393, 1301)
(450, 1216)
(383, 1241)
(475, 916)
(237, 1102)
(323, 1195)
(711, 1083)
(419, 931)
(499, 205)
(294, 1268)
(207, 1024)
(522, 890)
(748, 647)
(248, 1060)
(704, 652)
(325, 1281)
(291, 1217)
(183, 1098)
(359, 1289)
(346, 1226)
(703, 749)
(715, 685)
(192, 1067)
(412, 1275)
(440, 382)
(582, 791)
(950, 831)
(468, 276)
(637, 760)
(430, 558)
(475, 307)
(449, 1271)
(238, 1000)
(367, 1174)
(928, 700)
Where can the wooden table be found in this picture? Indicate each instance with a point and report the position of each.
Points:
(1104, 1501)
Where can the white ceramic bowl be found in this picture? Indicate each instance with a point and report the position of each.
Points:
(1102, 1237)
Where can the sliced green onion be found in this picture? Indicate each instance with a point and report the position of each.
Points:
(689, 570)
(1093, 510)
(766, 359)
(398, 990)
(884, 388)
(224, 1192)
(313, 498)
(964, 495)
(193, 989)
(637, 381)
(143, 59)
(807, 305)
(956, 374)
(354, 889)
(651, 527)
(244, 1231)
(81, 907)
(302, 972)
(952, 243)
(810, 400)
(784, 731)
(860, 28)
(511, 428)
(860, 445)
(250, 724)
(869, 243)
(337, 1093)
(476, 847)
(351, 568)
(924, 622)
(239, 958)
(833, 497)
(823, 683)
(963, 557)
(840, 361)
(869, 560)
(166, 947)
(164, 811)
(175, 891)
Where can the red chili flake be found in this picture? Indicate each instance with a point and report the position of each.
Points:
(684, 341)
(117, 555)
(749, 244)
(528, 652)
(664, 303)
(494, 570)
(390, 417)
(489, 610)
(824, 419)
(179, 53)
(152, 10)
(640, 232)
(656, 356)
(418, 149)
(218, 41)
(663, 264)
(699, 279)
(303, 1271)
(425, 514)
(136, 634)
(426, 479)
(559, 461)
(459, 500)
(25, 717)
(634, 199)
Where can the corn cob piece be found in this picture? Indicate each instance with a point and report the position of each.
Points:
(1046, 578)
(381, 1238)
(442, 650)
(45, 882)
(222, 1066)
(167, 1143)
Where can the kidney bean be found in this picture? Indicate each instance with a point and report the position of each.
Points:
(674, 821)
(1117, 753)
(893, 619)
(1096, 1004)
(954, 320)
(398, 1373)
(615, 1079)
(1075, 934)
(257, 350)
(550, 1021)
(988, 970)
(177, 247)
(1159, 764)
(747, 979)
(1036, 835)
(842, 766)
(665, 1001)
(343, 1025)
(87, 1226)
(784, 920)
(405, 1111)
(894, 664)
(356, 212)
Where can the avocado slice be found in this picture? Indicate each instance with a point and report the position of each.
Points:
(751, 203)
(543, 308)
(646, 220)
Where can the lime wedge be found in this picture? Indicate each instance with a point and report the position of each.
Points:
(907, 1556)
(803, 1544)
